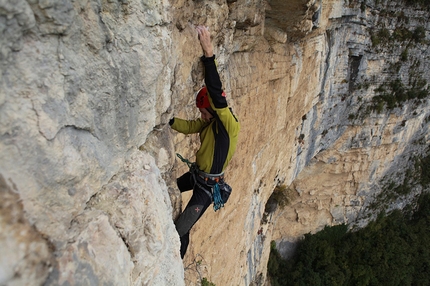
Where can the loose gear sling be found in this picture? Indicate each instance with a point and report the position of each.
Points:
(215, 189)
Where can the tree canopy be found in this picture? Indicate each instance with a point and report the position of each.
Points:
(392, 250)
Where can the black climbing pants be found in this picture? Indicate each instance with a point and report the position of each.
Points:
(199, 202)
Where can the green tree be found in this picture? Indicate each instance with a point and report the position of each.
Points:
(392, 250)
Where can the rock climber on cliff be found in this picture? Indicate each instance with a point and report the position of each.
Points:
(218, 129)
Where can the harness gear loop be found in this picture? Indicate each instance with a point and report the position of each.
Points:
(216, 194)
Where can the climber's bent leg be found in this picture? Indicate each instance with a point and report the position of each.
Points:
(185, 182)
(195, 208)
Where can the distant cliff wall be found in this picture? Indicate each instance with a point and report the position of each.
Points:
(332, 97)
(363, 139)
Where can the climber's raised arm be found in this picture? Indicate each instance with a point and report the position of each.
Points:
(212, 79)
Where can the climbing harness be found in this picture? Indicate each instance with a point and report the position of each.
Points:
(215, 189)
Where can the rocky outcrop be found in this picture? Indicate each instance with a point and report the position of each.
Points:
(88, 166)
(82, 88)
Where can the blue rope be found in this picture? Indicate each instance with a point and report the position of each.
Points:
(218, 202)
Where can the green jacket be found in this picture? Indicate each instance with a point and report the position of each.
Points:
(218, 137)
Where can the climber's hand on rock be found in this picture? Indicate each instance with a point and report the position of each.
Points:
(205, 41)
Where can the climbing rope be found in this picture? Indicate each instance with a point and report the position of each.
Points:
(216, 194)
(218, 202)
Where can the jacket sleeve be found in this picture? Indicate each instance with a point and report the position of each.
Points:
(213, 82)
(217, 97)
(187, 126)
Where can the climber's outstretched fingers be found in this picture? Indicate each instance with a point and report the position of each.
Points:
(205, 40)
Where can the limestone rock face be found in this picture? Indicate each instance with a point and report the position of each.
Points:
(24, 249)
(88, 165)
(83, 84)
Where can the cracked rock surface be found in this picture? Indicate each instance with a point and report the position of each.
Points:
(87, 159)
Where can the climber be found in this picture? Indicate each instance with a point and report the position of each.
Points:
(218, 129)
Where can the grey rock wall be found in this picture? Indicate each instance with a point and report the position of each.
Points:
(83, 83)
(88, 168)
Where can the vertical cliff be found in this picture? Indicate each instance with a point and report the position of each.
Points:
(83, 84)
(366, 136)
(333, 102)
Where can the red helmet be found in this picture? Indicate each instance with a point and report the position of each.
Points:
(202, 99)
